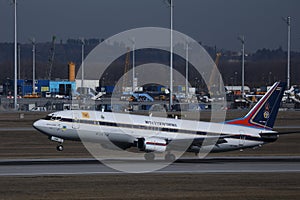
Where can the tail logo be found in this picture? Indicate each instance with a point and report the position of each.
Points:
(267, 111)
(264, 113)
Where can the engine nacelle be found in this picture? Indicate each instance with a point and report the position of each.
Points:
(152, 144)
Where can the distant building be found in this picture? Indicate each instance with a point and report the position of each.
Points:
(41, 87)
(87, 83)
(62, 87)
(237, 90)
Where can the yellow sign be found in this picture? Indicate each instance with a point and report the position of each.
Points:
(44, 89)
(85, 115)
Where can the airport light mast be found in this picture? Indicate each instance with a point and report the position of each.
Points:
(242, 39)
(288, 22)
(187, 69)
(15, 62)
(82, 61)
(170, 3)
(33, 65)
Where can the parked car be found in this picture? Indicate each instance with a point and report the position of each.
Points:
(58, 96)
(39, 109)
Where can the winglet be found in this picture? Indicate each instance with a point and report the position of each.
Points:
(264, 113)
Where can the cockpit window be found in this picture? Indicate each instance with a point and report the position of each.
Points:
(54, 117)
(48, 117)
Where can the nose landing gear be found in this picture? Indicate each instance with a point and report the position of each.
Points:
(59, 147)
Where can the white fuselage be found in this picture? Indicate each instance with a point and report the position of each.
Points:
(98, 126)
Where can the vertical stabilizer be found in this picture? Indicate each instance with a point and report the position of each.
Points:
(264, 113)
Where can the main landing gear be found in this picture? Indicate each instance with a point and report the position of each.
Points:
(59, 147)
(169, 157)
(149, 156)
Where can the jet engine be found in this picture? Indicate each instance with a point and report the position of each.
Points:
(152, 144)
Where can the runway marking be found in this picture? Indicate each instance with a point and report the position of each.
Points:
(186, 160)
(155, 172)
(89, 166)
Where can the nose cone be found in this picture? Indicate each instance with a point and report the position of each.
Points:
(40, 126)
(37, 125)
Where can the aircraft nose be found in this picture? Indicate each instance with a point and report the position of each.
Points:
(37, 124)
(41, 127)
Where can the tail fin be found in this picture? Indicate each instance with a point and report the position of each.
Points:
(264, 113)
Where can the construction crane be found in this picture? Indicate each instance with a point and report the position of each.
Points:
(126, 69)
(51, 57)
(214, 71)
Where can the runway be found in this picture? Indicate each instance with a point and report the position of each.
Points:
(11, 129)
(213, 165)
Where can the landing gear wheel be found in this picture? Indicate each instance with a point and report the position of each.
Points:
(149, 156)
(60, 147)
(170, 157)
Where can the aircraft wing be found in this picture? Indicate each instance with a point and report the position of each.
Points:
(181, 144)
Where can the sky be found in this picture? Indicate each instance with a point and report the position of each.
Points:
(212, 22)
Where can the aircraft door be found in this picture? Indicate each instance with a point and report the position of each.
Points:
(75, 123)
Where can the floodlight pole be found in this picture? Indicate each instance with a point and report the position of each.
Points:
(15, 76)
(82, 61)
(133, 65)
(171, 56)
(33, 65)
(242, 39)
(288, 21)
(187, 69)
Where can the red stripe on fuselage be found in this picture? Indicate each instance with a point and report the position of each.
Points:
(155, 143)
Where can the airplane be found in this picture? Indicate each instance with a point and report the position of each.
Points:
(150, 135)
